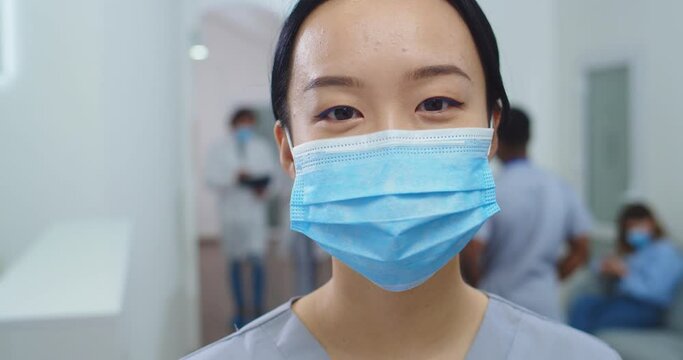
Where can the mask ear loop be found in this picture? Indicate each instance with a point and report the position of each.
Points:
(287, 135)
(289, 139)
(499, 103)
(488, 153)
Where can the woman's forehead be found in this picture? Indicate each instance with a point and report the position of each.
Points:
(370, 35)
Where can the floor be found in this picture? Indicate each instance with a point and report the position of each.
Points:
(217, 305)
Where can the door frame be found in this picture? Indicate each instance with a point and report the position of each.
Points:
(605, 59)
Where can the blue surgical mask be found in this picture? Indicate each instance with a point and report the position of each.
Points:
(244, 134)
(638, 238)
(395, 206)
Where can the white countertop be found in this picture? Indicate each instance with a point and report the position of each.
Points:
(73, 270)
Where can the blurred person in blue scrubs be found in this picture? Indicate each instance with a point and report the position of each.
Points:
(387, 113)
(642, 277)
(520, 253)
(239, 169)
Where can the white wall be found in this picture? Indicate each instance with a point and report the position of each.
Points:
(648, 35)
(279, 7)
(90, 128)
(44, 114)
(527, 38)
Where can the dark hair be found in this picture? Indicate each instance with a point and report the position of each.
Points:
(241, 113)
(516, 132)
(469, 10)
(636, 211)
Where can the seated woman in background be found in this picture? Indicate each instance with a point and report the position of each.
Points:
(645, 275)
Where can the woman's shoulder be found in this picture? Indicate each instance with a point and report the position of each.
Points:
(253, 341)
(536, 337)
(508, 332)
(665, 244)
(663, 250)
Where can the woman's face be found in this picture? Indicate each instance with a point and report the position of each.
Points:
(366, 66)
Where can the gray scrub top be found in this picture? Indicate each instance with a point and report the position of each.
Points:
(525, 240)
(507, 332)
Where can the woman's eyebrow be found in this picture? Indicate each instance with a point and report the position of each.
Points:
(437, 70)
(326, 81)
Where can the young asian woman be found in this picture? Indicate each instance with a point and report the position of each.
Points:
(387, 113)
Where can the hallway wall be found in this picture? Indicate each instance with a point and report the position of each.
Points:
(89, 128)
(647, 36)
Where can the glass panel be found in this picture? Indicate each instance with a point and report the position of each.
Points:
(2, 37)
(608, 138)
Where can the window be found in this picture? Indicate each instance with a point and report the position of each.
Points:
(7, 50)
(608, 140)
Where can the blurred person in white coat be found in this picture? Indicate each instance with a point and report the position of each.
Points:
(240, 168)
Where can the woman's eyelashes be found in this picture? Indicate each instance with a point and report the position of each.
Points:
(435, 105)
(438, 105)
(339, 113)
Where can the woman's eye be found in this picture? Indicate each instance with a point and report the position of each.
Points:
(438, 104)
(339, 113)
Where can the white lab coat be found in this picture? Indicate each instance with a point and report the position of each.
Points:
(243, 215)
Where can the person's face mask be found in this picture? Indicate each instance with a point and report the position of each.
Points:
(244, 134)
(638, 238)
(396, 205)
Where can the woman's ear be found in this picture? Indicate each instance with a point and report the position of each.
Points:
(286, 157)
(496, 117)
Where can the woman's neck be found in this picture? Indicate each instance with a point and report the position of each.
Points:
(352, 316)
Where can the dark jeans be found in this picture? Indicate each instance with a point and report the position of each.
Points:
(257, 278)
(591, 313)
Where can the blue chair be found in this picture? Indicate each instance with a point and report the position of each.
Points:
(665, 343)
